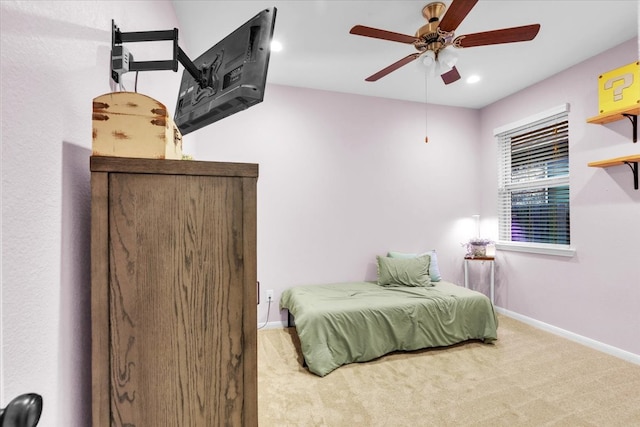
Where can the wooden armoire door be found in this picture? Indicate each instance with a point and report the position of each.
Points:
(180, 338)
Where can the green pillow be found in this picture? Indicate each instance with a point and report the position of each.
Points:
(404, 272)
(434, 269)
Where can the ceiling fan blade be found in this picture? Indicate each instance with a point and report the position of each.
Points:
(361, 30)
(505, 35)
(392, 67)
(458, 10)
(450, 76)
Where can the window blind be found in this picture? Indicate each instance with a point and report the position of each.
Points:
(533, 184)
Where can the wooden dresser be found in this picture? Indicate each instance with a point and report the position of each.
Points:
(173, 293)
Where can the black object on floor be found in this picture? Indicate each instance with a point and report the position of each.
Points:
(22, 411)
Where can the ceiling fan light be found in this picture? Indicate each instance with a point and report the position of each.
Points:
(448, 57)
(430, 63)
(429, 59)
(443, 67)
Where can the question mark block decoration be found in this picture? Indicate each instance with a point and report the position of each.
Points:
(619, 89)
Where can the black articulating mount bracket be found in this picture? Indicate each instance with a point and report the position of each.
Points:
(634, 169)
(118, 38)
(634, 123)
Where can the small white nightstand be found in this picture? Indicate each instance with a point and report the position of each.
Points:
(491, 261)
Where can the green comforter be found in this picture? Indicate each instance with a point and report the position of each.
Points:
(355, 322)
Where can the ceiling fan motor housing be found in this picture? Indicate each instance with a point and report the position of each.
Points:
(433, 11)
(427, 35)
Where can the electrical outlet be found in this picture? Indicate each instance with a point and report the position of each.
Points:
(270, 295)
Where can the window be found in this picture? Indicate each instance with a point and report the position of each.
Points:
(533, 184)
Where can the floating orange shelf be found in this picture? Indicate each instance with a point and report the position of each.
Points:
(613, 116)
(630, 113)
(631, 161)
(615, 162)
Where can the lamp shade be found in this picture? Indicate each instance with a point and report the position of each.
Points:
(429, 62)
(447, 58)
(476, 219)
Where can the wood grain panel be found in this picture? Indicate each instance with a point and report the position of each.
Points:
(99, 299)
(172, 167)
(250, 313)
(176, 300)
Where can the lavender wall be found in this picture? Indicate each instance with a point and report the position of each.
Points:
(55, 60)
(345, 177)
(596, 293)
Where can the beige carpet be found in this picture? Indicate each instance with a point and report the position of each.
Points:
(527, 378)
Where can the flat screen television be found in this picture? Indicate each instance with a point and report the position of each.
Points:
(234, 72)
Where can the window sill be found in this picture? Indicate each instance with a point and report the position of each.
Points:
(537, 248)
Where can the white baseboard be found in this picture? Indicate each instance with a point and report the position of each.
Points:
(596, 345)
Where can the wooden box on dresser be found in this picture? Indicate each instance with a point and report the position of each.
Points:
(173, 293)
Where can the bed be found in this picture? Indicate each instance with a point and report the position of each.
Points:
(343, 323)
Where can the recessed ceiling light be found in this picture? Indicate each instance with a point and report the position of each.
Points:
(473, 79)
(276, 46)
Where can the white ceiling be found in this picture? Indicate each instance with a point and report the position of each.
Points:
(320, 53)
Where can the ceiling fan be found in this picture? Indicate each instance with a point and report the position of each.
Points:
(435, 39)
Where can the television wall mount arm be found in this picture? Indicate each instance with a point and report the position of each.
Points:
(122, 61)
